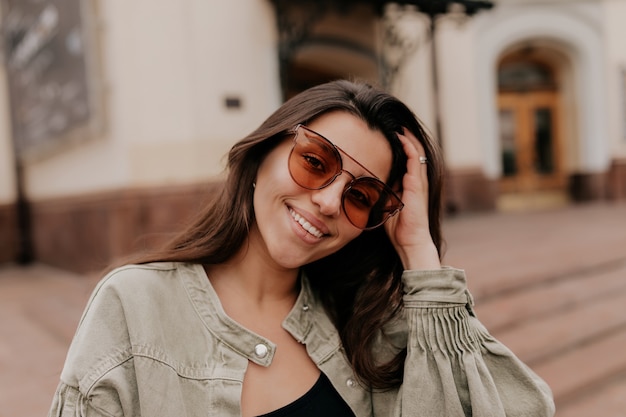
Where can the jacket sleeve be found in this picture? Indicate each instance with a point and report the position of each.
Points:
(454, 367)
(97, 375)
(70, 402)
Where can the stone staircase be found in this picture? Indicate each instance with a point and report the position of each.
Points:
(551, 285)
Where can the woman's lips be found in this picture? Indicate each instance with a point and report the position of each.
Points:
(305, 224)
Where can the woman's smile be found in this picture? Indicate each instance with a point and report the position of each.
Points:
(304, 223)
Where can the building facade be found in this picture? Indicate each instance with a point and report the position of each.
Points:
(528, 99)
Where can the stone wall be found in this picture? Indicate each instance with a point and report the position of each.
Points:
(89, 232)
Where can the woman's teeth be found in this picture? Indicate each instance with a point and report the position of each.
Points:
(306, 225)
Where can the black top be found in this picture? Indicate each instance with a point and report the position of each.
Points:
(321, 400)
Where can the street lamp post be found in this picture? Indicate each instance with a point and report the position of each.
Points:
(433, 9)
(24, 254)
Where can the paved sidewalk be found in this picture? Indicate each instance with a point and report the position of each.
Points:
(39, 310)
(550, 284)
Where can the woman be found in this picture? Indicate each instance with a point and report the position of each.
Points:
(310, 285)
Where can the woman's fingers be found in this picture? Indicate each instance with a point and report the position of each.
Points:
(409, 231)
(414, 150)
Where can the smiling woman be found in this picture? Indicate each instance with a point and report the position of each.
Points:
(311, 285)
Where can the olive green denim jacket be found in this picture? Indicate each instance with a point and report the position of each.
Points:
(154, 341)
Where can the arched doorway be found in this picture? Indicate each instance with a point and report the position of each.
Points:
(319, 61)
(324, 42)
(530, 132)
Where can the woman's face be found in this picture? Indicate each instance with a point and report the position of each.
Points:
(296, 226)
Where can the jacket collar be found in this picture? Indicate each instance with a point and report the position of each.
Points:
(307, 321)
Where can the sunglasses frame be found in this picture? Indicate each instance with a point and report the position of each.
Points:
(338, 151)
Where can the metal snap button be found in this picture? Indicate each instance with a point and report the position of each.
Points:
(351, 383)
(260, 350)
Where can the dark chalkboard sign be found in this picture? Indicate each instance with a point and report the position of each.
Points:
(47, 54)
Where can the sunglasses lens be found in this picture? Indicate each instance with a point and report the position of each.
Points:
(313, 163)
(368, 203)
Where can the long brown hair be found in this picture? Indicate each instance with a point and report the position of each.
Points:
(360, 285)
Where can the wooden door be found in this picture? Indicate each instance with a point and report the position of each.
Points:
(531, 154)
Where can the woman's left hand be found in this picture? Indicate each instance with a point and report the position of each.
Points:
(409, 229)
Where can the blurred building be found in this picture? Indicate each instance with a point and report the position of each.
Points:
(120, 113)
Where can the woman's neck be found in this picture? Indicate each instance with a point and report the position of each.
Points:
(255, 280)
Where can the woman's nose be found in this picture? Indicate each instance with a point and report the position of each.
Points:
(328, 199)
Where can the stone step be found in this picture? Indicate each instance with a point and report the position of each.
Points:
(538, 301)
(610, 398)
(585, 369)
(504, 253)
(537, 339)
